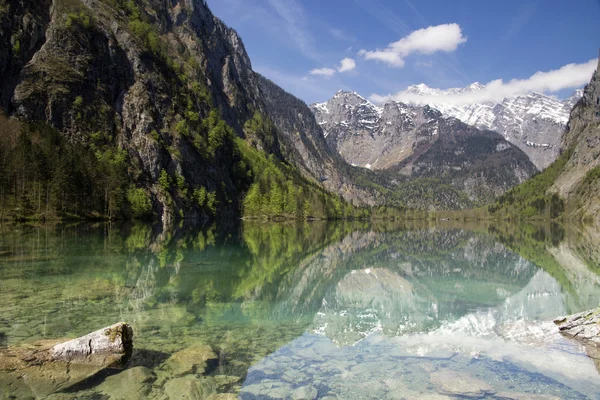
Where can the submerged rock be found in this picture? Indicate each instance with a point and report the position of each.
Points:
(192, 359)
(190, 387)
(524, 396)
(460, 384)
(134, 383)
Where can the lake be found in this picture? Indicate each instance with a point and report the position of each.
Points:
(342, 310)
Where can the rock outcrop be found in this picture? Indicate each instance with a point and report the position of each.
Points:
(584, 327)
(578, 182)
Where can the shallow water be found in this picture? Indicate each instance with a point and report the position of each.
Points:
(318, 310)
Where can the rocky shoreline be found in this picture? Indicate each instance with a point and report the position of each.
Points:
(89, 364)
(68, 369)
(585, 328)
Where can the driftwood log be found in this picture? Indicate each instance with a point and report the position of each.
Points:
(111, 346)
(42, 368)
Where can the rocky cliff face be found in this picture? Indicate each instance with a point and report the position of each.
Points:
(419, 142)
(141, 76)
(533, 122)
(578, 182)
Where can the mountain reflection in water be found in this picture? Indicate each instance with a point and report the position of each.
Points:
(316, 310)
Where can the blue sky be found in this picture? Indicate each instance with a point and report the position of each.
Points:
(300, 44)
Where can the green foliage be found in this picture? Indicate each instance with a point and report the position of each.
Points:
(211, 203)
(157, 137)
(175, 153)
(182, 128)
(531, 199)
(148, 36)
(262, 129)
(45, 176)
(592, 176)
(531, 242)
(146, 32)
(279, 191)
(219, 133)
(78, 102)
(141, 206)
(3, 7)
(16, 47)
(81, 19)
(180, 181)
(164, 180)
(200, 196)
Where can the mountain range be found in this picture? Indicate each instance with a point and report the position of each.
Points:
(416, 142)
(113, 109)
(533, 122)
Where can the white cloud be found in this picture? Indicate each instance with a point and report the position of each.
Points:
(306, 87)
(326, 72)
(429, 40)
(347, 64)
(566, 77)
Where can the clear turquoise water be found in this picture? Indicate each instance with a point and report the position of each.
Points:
(319, 310)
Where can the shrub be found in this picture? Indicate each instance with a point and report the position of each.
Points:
(141, 206)
(82, 19)
(164, 180)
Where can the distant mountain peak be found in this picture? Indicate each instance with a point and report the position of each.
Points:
(533, 121)
(475, 86)
(419, 141)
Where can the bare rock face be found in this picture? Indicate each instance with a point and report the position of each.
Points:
(43, 368)
(93, 73)
(577, 183)
(584, 327)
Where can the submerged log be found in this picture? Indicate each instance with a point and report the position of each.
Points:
(45, 367)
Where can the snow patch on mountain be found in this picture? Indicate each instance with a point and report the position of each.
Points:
(535, 122)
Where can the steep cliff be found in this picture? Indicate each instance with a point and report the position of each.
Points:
(579, 180)
(570, 187)
(167, 87)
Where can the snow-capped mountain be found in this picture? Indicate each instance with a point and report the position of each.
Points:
(374, 137)
(534, 122)
(418, 141)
